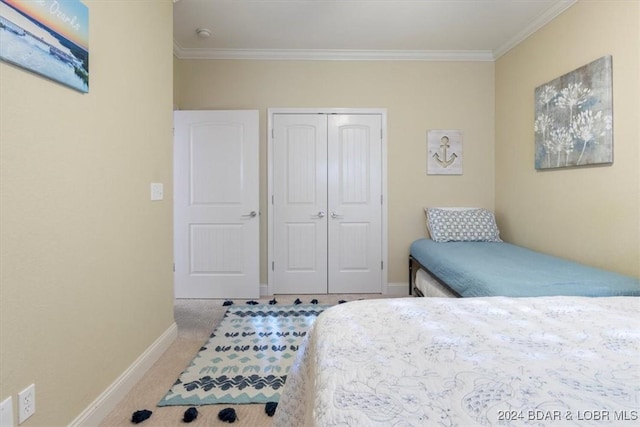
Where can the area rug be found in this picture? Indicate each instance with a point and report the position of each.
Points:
(247, 358)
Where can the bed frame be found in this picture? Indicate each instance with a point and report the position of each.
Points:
(418, 292)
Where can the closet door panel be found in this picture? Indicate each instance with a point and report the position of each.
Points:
(353, 238)
(300, 203)
(354, 203)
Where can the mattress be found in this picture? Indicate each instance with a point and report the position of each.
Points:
(543, 361)
(430, 287)
(476, 269)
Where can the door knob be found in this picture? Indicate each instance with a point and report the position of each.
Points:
(251, 214)
(335, 215)
(321, 214)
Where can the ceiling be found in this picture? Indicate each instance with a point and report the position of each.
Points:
(357, 29)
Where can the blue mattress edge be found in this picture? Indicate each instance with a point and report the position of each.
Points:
(474, 269)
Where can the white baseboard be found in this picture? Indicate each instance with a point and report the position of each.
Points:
(264, 290)
(398, 288)
(98, 410)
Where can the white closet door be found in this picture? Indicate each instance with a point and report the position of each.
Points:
(216, 202)
(300, 203)
(355, 204)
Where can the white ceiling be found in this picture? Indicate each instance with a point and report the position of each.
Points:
(358, 29)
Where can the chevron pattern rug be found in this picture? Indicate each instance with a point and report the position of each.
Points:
(247, 358)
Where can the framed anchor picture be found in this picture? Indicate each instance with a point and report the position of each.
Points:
(444, 152)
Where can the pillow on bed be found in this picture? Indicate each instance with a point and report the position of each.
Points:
(447, 208)
(462, 225)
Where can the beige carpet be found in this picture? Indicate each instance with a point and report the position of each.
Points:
(196, 319)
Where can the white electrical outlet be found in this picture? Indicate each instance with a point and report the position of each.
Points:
(157, 191)
(6, 412)
(26, 403)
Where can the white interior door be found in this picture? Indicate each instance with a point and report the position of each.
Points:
(355, 203)
(326, 203)
(216, 202)
(300, 203)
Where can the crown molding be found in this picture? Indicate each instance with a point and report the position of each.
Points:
(332, 55)
(375, 55)
(543, 19)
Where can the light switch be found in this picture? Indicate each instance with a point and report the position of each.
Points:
(157, 191)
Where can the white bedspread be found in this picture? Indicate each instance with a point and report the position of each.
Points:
(462, 362)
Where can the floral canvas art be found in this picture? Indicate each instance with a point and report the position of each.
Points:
(574, 118)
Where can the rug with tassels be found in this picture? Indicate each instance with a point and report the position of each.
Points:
(247, 358)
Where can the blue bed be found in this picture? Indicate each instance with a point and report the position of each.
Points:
(479, 269)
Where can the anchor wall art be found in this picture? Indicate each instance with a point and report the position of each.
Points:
(444, 152)
(573, 118)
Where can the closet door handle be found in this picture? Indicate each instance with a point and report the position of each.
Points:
(321, 214)
(335, 215)
(251, 214)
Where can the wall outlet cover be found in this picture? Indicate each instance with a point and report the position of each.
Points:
(157, 191)
(26, 403)
(6, 412)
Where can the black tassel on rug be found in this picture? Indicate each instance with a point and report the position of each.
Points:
(297, 301)
(228, 415)
(190, 415)
(253, 302)
(270, 408)
(314, 301)
(227, 303)
(273, 302)
(139, 416)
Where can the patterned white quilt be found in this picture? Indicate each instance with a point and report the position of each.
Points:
(546, 361)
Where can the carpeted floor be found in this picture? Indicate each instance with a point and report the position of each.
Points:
(196, 319)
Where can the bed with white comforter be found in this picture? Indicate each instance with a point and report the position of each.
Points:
(462, 362)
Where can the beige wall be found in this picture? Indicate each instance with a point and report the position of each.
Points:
(418, 96)
(85, 278)
(590, 214)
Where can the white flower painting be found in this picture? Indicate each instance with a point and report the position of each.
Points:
(573, 122)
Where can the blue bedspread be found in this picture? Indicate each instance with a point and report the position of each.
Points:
(478, 269)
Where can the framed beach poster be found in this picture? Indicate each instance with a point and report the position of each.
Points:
(47, 37)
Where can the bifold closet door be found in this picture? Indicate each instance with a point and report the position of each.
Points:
(355, 203)
(327, 206)
(300, 203)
